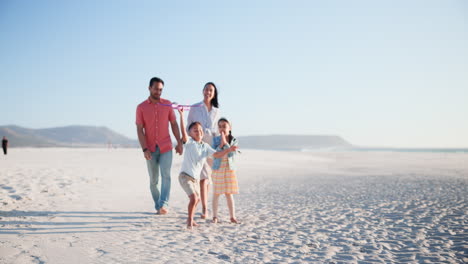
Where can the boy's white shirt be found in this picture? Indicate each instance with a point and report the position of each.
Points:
(195, 155)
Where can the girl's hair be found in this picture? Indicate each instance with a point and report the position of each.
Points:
(214, 101)
(230, 137)
(194, 124)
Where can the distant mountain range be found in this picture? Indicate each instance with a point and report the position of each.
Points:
(69, 136)
(294, 142)
(92, 136)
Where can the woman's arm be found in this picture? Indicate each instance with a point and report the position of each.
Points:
(215, 122)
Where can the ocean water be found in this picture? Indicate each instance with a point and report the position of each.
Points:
(368, 149)
(426, 150)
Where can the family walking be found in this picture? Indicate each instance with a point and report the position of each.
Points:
(207, 144)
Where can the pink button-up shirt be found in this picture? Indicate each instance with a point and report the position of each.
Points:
(155, 119)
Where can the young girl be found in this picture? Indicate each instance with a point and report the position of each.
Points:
(224, 175)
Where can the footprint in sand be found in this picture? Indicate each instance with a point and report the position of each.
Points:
(8, 188)
(16, 197)
(101, 252)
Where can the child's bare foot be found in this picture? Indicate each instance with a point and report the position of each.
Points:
(205, 214)
(215, 220)
(162, 211)
(191, 224)
(234, 220)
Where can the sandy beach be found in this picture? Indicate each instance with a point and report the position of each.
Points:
(94, 206)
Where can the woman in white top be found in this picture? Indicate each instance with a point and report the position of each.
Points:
(207, 113)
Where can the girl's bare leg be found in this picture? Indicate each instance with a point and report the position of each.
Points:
(204, 197)
(215, 207)
(204, 189)
(232, 208)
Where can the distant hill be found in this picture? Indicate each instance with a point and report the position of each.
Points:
(69, 136)
(293, 142)
(92, 136)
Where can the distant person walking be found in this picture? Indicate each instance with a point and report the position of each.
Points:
(153, 117)
(5, 145)
(207, 115)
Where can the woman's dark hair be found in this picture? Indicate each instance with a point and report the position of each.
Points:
(214, 101)
(156, 79)
(193, 124)
(230, 137)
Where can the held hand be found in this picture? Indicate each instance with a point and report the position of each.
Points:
(147, 155)
(179, 148)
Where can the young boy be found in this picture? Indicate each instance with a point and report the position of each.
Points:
(195, 154)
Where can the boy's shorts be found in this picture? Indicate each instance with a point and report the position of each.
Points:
(189, 184)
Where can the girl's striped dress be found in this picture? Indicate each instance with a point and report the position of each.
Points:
(224, 179)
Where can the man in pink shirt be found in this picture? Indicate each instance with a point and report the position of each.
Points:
(153, 117)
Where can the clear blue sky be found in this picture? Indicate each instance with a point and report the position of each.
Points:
(377, 73)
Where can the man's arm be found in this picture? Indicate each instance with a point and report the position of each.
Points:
(142, 139)
(176, 133)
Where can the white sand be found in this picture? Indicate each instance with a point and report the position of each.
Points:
(94, 206)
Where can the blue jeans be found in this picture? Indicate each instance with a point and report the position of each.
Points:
(161, 162)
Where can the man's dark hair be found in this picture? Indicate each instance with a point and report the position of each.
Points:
(156, 79)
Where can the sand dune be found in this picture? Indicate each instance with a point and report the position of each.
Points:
(94, 206)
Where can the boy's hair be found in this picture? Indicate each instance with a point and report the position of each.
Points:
(230, 137)
(194, 124)
(157, 80)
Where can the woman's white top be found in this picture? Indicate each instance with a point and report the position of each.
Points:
(208, 120)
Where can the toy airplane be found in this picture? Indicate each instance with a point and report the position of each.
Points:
(177, 106)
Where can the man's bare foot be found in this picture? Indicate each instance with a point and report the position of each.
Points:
(215, 220)
(234, 220)
(163, 211)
